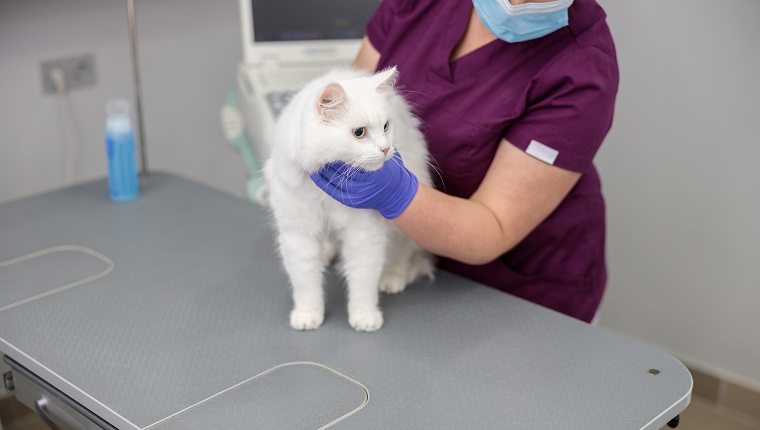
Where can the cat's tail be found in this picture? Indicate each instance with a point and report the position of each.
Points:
(421, 264)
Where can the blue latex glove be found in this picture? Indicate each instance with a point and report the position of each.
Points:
(389, 189)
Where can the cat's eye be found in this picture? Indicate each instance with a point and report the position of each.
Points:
(385, 127)
(359, 132)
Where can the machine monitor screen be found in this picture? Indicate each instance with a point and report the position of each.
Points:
(310, 19)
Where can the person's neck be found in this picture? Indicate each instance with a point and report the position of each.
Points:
(475, 36)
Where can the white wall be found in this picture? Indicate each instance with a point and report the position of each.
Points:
(189, 51)
(682, 183)
(678, 167)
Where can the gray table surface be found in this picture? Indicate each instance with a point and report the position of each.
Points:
(172, 312)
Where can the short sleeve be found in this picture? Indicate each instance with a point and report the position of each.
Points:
(569, 110)
(379, 24)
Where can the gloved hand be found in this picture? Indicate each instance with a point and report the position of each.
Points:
(389, 189)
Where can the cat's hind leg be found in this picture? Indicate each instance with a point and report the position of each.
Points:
(406, 262)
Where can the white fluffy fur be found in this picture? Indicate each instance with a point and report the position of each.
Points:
(317, 128)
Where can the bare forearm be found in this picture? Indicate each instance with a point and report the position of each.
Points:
(368, 57)
(516, 195)
(460, 229)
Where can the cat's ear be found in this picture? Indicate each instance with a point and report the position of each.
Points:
(332, 102)
(387, 79)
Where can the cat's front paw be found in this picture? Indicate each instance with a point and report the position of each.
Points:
(306, 319)
(366, 320)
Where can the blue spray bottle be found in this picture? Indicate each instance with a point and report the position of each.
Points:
(123, 182)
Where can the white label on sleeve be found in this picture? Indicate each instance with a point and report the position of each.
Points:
(542, 152)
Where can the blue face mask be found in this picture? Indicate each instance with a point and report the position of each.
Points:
(522, 22)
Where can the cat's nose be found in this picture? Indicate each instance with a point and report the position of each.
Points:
(385, 150)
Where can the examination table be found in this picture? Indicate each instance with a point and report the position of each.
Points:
(171, 312)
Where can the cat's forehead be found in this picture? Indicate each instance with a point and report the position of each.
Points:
(367, 110)
(366, 104)
(362, 88)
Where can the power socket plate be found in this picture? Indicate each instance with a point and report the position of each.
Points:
(78, 70)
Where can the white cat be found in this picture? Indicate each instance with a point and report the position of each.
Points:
(357, 118)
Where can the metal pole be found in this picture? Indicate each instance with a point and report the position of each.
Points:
(138, 88)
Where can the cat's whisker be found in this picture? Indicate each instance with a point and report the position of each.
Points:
(421, 120)
(414, 104)
(408, 173)
(352, 169)
(332, 178)
(435, 168)
(410, 91)
(342, 179)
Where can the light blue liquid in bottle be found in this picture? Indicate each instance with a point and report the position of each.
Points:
(123, 181)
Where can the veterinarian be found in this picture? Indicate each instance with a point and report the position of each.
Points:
(515, 99)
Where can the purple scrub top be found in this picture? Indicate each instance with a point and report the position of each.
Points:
(552, 97)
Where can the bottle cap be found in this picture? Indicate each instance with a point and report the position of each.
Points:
(117, 106)
(118, 115)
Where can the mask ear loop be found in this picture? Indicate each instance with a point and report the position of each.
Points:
(548, 7)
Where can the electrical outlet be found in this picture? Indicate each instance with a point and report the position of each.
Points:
(79, 72)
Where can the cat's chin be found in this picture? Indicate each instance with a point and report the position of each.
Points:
(371, 166)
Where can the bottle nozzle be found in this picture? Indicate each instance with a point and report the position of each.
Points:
(117, 106)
